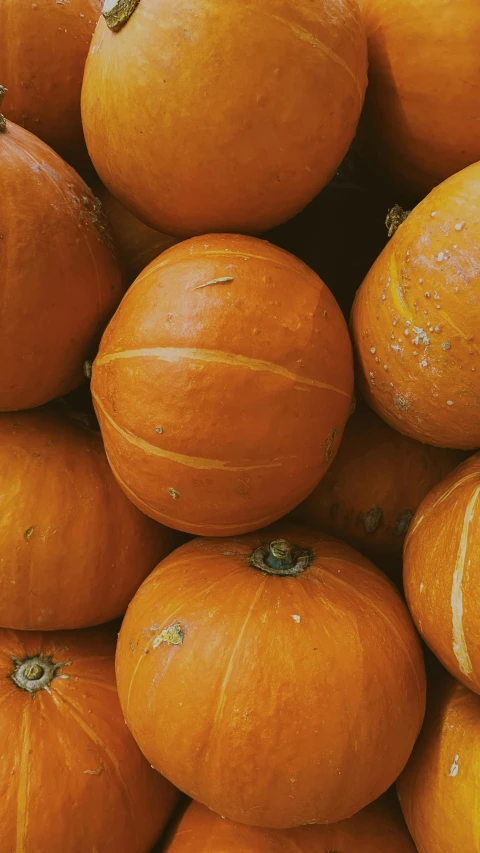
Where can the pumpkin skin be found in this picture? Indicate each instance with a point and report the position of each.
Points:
(438, 790)
(375, 829)
(137, 244)
(44, 48)
(214, 146)
(73, 548)
(59, 280)
(421, 111)
(222, 385)
(441, 572)
(66, 744)
(375, 484)
(214, 654)
(415, 319)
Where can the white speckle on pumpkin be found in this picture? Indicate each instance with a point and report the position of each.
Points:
(446, 345)
(436, 296)
(406, 332)
(449, 402)
(420, 336)
(454, 768)
(433, 213)
(373, 350)
(296, 618)
(424, 363)
(427, 294)
(420, 280)
(459, 226)
(421, 587)
(440, 256)
(385, 366)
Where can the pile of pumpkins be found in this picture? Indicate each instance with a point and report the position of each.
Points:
(226, 574)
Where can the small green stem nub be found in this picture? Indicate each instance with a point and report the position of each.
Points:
(395, 216)
(118, 12)
(281, 558)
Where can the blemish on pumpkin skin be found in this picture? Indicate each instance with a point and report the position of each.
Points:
(28, 534)
(402, 523)
(399, 401)
(328, 446)
(454, 768)
(174, 494)
(173, 636)
(223, 280)
(94, 772)
(371, 519)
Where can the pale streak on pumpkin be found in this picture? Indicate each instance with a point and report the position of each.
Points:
(24, 779)
(174, 354)
(189, 461)
(76, 713)
(460, 649)
(472, 476)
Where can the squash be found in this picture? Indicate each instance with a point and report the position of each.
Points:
(415, 319)
(59, 279)
(374, 486)
(73, 548)
(44, 48)
(222, 385)
(376, 829)
(226, 135)
(275, 677)
(136, 243)
(421, 113)
(441, 573)
(438, 790)
(71, 776)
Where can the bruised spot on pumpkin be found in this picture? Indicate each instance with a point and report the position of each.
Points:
(402, 523)
(174, 494)
(28, 534)
(371, 519)
(173, 636)
(328, 446)
(400, 402)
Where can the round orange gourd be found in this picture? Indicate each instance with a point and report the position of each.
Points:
(72, 776)
(223, 384)
(242, 113)
(73, 548)
(441, 573)
(59, 279)
(416, 316)
(438, 790)
(277, 684)
(136, 243)
(374, 486)
(421, 113)
(376, 829)
(44, 48)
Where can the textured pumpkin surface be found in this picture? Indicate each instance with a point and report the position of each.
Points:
(374, 486)
(376, 829)
(137, 244)
(44, 48)
(274, 700)
(227, 136)
(222, 385)
(71, 776)
(73, 548)
(442, 575)
(416, 317)
(422, 119)
(438, 790)
(59, 280)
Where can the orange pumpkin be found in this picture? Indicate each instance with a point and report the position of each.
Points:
(416, 316)
(441, 573)
(438, 791)
(44, 48)
(226, 135)
(136, 243)
(376, 829)
(421, 113)
(59, 280)
(374, 486)
(73, 548)
(277, 684)
(223, 384)
(71, 776)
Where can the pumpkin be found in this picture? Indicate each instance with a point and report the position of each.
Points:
(44, 48)
(375, 829)
(374, 486)
(225, 135)
(136, 243)
(71, 775)
(440, 572)
(222, 385)
(421, 111)
(415, 319)
(59, 280)
(274, 677)
(73, 548)
(438, 790)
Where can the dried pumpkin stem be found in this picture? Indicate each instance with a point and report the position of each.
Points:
(395, 216)
(118, 12)
(3, 121)
(35, 673)
(281, 558)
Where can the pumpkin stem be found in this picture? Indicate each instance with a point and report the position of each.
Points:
(35, 673)
(281, 558)
(3, 121)
(118, 12)
(395, 216)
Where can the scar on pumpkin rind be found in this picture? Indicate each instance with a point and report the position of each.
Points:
(328, 445)
(174, 635)
(402, 523)
(371, 519)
